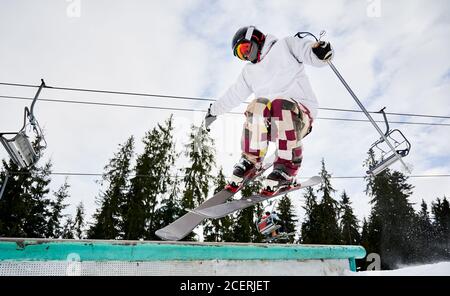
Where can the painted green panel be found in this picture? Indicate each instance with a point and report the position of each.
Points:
(151, 251)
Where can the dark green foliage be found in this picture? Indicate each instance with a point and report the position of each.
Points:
(75, 228)
(25, 207)
(441, 213)
(79, 222)
(200, 152)
(152, 182)
(68, 229)
(54, 227)
(392, 220)
(108, 219)
(219, 230)
(425, 236)
(285, 211)
(349, 223)
(321, 223)
(365, 234)
(310, 228)
(244, 228)
(170, 208)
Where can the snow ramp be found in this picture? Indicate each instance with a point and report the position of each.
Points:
(116, 257)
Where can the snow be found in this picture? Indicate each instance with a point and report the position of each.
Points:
(437, 269)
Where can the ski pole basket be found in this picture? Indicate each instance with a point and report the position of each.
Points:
(19, 145)
(383, 152)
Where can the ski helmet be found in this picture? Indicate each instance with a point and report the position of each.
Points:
(247, 43)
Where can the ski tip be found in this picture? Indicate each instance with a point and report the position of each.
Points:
(166, 235)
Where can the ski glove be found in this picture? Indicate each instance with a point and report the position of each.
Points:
(209, 118)
(323, 50)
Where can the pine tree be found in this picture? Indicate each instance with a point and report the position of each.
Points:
(321, 222)
(151, 183)
(286, 214)
(349, 223)
(54, 227)
(365, 242)
(309, 229)
(108, 219)
(200, 152)
(170, 208)
(426, 236)
(25, 206)
(244, 229)
(13, 205)
(327, 211)
(441, 213)
(391, 223)
(219, 230)
(38, 202)
(79, 222)
(365, 234)
(68, 229)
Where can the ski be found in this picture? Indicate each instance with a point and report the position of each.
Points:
(181, 227)
(224, 209)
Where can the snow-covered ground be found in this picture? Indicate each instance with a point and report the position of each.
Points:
(437, 269)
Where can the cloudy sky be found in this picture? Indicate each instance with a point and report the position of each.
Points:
(392, 53)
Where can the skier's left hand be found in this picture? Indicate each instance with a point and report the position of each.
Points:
(209, 118)
(323, 50)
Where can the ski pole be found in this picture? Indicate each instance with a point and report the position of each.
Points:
(383, 136)
(4, 183)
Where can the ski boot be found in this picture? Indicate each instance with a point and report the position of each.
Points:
(242, 170)
(276, 181)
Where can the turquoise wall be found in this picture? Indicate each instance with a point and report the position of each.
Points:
(157, 251)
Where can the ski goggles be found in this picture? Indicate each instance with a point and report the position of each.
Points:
(246, 50)
(242, 50)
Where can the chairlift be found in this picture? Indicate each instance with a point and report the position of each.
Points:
(388, 156)
(19, 146)
(268, 225)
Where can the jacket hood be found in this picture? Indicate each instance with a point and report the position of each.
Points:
(268, 43)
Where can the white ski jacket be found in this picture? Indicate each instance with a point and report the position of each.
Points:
(280, 73)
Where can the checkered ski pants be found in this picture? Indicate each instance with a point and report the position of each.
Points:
(283, 121)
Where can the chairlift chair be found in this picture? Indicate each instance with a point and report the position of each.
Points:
(267, 226)
(19, 146)
(396, 149)
(386, 155)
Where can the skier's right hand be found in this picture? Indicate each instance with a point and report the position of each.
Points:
(209, 118)
(323, 50)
